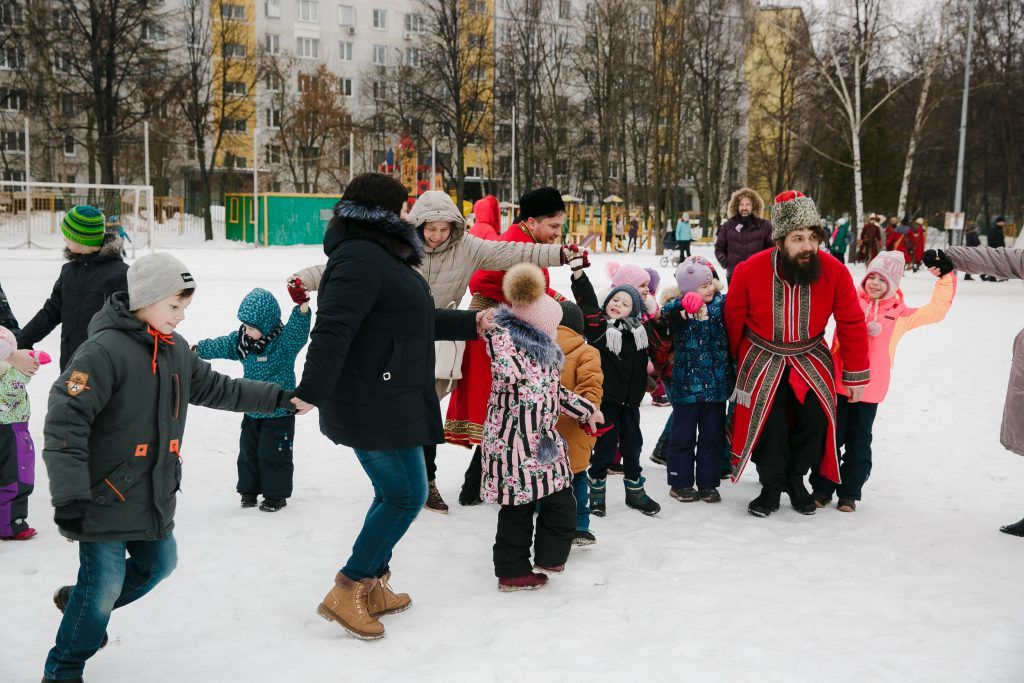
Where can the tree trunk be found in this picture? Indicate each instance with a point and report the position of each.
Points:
(919, 116)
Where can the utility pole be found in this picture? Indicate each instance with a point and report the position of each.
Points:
(958, 199)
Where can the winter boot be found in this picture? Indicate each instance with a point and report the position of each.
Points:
(22, 535)
(272, 505)
(60, 600)
(684, 494)
(552, 569)
(582, 537)
(799, 498)
(637, 498)
(710, 495)
(435, 503)
(248, 500)
(821, 499)
(527, 582)
(1016, 529)
(658, 455)
(847, 505)
(765, 504)
(615, 468)
(598, 489)
(382, 600)
(348, 605)
(63, 680)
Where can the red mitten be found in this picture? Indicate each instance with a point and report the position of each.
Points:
(596, 432)
(692, 302)
(297, 292)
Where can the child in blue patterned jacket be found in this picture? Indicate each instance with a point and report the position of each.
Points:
(267, 349)
(702, 380)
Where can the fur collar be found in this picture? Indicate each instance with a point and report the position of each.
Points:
(111, 249)
(537, 346)
(394, 235)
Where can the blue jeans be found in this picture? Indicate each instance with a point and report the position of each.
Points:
(106, 581)
(399, 481)
(581, 489)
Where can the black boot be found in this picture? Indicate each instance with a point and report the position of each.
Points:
(1016, 529)
(470, 494)
(799, 498)
(765, 504)
(273, 504)
(248, 500)
(60, 601)
(658, 455)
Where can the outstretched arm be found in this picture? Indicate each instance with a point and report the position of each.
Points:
(1002, 262)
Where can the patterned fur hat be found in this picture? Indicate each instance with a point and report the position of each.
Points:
(793, 211)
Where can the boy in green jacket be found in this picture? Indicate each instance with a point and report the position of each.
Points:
(113, 445)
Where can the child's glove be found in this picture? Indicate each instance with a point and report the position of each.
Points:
(41, 357)
(69, 516)
(576, 258)
(692, 302)
(937, 259)
(297, 292)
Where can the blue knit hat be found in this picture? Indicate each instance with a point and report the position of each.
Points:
(638, 304)
(84, 224)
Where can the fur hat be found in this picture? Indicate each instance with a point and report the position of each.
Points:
(690, 275)
(627, 274)
(888, 265)
(525, 293)
(572, 316)
(544, 201)
(756, 202)
(793, 211)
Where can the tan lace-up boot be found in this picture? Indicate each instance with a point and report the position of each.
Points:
(347, 605)
(383, 600)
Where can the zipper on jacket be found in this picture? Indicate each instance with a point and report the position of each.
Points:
(177, 393)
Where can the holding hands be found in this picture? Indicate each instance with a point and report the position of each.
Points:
(937, 262)
(24, 362)
(484, 321)
(577, 259)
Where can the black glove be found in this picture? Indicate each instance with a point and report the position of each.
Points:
(937, 259)
(284, 401)
(69, 516)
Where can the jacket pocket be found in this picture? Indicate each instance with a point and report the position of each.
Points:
(176, 385)
(114, 487)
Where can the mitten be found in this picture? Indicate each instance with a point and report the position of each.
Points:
(310, 277)
(42, 357)
(297, 292)
(69, 516)
(578, 260)
(692, 302)
(595, 432)
(937, 259)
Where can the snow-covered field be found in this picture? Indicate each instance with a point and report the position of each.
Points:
(917, 585)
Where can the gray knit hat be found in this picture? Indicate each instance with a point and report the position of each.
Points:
(793, 211)
(154, 277)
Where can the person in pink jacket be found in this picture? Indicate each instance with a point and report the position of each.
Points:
(888, 318)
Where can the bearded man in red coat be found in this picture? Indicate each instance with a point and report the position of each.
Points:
(777, 308)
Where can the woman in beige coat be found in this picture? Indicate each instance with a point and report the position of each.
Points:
(1006, 263)
(450, 258)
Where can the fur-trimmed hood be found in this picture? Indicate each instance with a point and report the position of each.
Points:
(391, 233)
(752, 195)
(112, 248)
(537, 345)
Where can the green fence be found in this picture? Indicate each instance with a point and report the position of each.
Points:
(283, 218)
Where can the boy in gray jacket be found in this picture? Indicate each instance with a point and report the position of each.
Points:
(113, 444)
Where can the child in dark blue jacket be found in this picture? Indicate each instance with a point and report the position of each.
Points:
(702, 380)
(267, 349)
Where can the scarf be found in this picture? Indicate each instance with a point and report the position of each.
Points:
(613, 335)
(247, 344)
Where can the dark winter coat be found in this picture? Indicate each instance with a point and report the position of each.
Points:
(276, 363)
(370, 363)
(996, 238)
(740, 238)
(702, 369)
(625, 374)
(85, 282)
(972, 239)
(7, 318)
(114, 427)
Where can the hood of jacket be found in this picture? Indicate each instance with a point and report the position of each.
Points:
(569, 340)
(260, 309)
(436, 205)
(112, 247)
(487, 211)
(115, 315)
(383, 228)
(748, 193)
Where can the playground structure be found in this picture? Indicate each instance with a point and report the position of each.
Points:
(594, 227)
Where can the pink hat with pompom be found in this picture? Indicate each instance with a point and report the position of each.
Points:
(524, 290)
(627, 274)
(888, 265)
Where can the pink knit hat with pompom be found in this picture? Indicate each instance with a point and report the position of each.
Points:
(524, 290)
(888, 265)
(627, 274)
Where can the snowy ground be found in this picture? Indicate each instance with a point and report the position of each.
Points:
(916, 585)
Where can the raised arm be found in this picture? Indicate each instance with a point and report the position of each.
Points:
(491, 255)
(935, 310)
(1002, 262)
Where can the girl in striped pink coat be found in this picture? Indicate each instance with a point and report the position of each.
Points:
(524, 457)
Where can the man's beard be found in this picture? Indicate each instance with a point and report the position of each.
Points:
(797, 272)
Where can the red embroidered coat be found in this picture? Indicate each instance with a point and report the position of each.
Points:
(773, 325)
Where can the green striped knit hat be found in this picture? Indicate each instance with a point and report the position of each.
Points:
(85, 225)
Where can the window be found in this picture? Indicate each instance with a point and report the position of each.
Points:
(504, 133)
(233, 50)
(273, 154)
(613, 170)
(12, 100)
(70, 178)
(476, 6)
(306, 82)
(272, 43)
(193, 35)
(154, 32)
(591, 12)
(346, 15)
(645, 19)
(413, 56)
(414, 23)
(11, 14)
(308, 48)
(61, 20)
(273, 118)
(380, 55)
(14, 176)
(562, 166)
(273, 9)
(346, 87)
(308, 10)
(380, 90)
(272, 82)
(235, 88)
(504, 165)
(62, 62)
(11, 141)
(69, 146)
(233, 12)
(345, 51)
(478, 40)
(232, 161)
(380, 19)
(564, 9)
(67, 105)
(233, 125)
